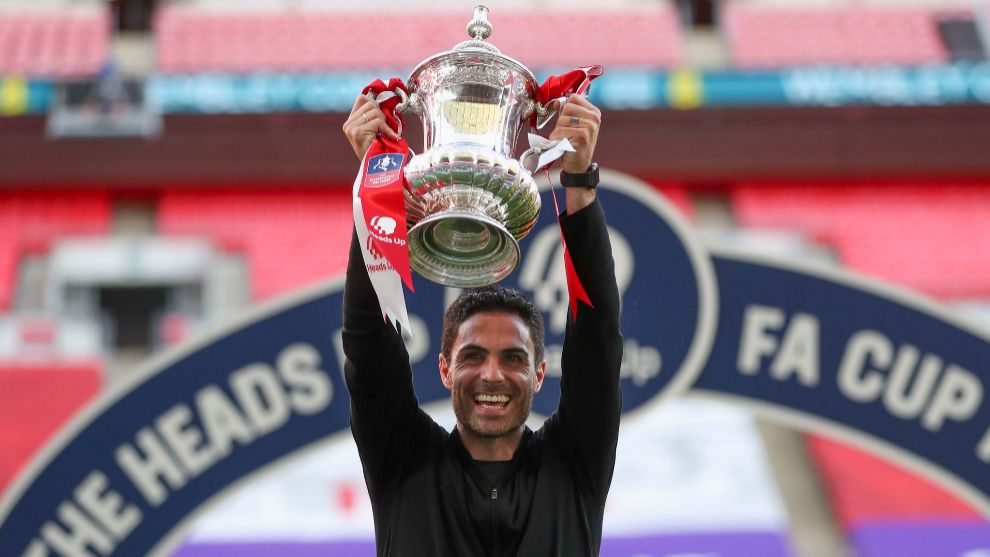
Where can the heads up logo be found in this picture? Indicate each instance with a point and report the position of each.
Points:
(384, 225)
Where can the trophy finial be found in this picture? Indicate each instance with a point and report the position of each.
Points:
(480, 28)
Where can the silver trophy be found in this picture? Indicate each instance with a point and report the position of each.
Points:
(468, 202)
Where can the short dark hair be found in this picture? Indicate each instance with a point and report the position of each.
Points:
(492, 298)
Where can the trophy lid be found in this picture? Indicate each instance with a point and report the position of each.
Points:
(479, 29)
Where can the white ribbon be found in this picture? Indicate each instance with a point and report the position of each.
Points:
(543, 152)
(384, 278)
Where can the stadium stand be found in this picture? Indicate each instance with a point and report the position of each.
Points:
(31, 220)
(37, 401)
(769, 34)
(930, 238)
(864, 488)
(195, 37)
(267, 225)
(679, 197)
(54, 39)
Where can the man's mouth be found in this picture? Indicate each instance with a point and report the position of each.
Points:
(492, 401)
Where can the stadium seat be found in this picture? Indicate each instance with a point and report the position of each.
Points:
(35, 401)
(305, 240)
(30, 220)
(58, 42)
(762, 35)
(932, 238)
(190, 38)
(864, 488)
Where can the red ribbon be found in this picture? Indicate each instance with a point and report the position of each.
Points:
(566, 84)
(577, 82)
(381, 191)
(575, 290)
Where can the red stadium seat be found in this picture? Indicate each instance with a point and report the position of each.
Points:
(775, 36)
(31, 220)
(195, 40)
(35, 401)
(53, 44)
(289, 237)
(863, 488)
(931, 238)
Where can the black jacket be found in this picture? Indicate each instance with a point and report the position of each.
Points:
(429, 497)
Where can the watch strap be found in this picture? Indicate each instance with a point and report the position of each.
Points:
(586, 179)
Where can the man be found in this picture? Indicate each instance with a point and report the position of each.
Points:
(492, 487)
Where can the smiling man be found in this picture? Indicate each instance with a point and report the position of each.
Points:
(492, 487)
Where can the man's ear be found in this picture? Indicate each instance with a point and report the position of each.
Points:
(541, 372)
(445, 373)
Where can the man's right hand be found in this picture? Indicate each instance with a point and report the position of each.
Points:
(365, 122)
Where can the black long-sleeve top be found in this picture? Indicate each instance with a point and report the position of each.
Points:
(428, 496)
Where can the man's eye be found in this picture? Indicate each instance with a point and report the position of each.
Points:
(473, 356)
(514, 358)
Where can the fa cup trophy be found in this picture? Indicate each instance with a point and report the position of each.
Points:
(468, 202)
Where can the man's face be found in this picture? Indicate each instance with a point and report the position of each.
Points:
(491, 373)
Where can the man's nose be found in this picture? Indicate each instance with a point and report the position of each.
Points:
(492, 371)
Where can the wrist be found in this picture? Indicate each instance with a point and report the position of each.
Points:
(587, 178)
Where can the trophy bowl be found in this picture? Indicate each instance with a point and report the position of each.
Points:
(468, 202)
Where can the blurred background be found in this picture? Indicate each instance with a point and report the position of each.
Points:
(166, 164)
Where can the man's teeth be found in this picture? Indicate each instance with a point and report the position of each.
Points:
(496, 399)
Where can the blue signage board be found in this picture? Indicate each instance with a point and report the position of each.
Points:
(817, 348)
(619, 89)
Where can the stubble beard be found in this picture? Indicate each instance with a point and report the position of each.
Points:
(479, 427)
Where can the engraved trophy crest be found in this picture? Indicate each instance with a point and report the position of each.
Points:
(468, 202)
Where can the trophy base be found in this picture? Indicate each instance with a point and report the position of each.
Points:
(462, 249)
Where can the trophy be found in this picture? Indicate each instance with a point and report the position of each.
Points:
(468, 202)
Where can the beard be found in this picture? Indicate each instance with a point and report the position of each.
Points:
(488, 427)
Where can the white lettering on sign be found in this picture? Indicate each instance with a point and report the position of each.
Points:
(793, 350)
(873, 368)
(75, 533)
(186, 441)
(95, 519)
(909, 383)
(261, 397)
(148, 464)
(640, 363)
(107, 506)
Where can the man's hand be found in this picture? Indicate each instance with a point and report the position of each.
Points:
(579, 121)
(364, 123)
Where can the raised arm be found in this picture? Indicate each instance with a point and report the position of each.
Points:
(388, 426)
(591, 401)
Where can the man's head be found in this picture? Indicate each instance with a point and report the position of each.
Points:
(492, 298)
(492, 359)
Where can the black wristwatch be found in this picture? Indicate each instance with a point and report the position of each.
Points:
(586, 179)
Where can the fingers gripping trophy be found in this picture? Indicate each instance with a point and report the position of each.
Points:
(456, 212)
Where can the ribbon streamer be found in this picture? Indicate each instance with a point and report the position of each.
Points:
(558, 88)
(379, 209)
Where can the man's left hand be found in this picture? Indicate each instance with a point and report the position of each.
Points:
(579, 122)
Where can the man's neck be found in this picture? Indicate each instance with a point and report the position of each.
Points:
(490, 448)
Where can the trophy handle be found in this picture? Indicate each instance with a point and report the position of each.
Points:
(530, 158)
(406, 102)
(544, 112)
(403, 101)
